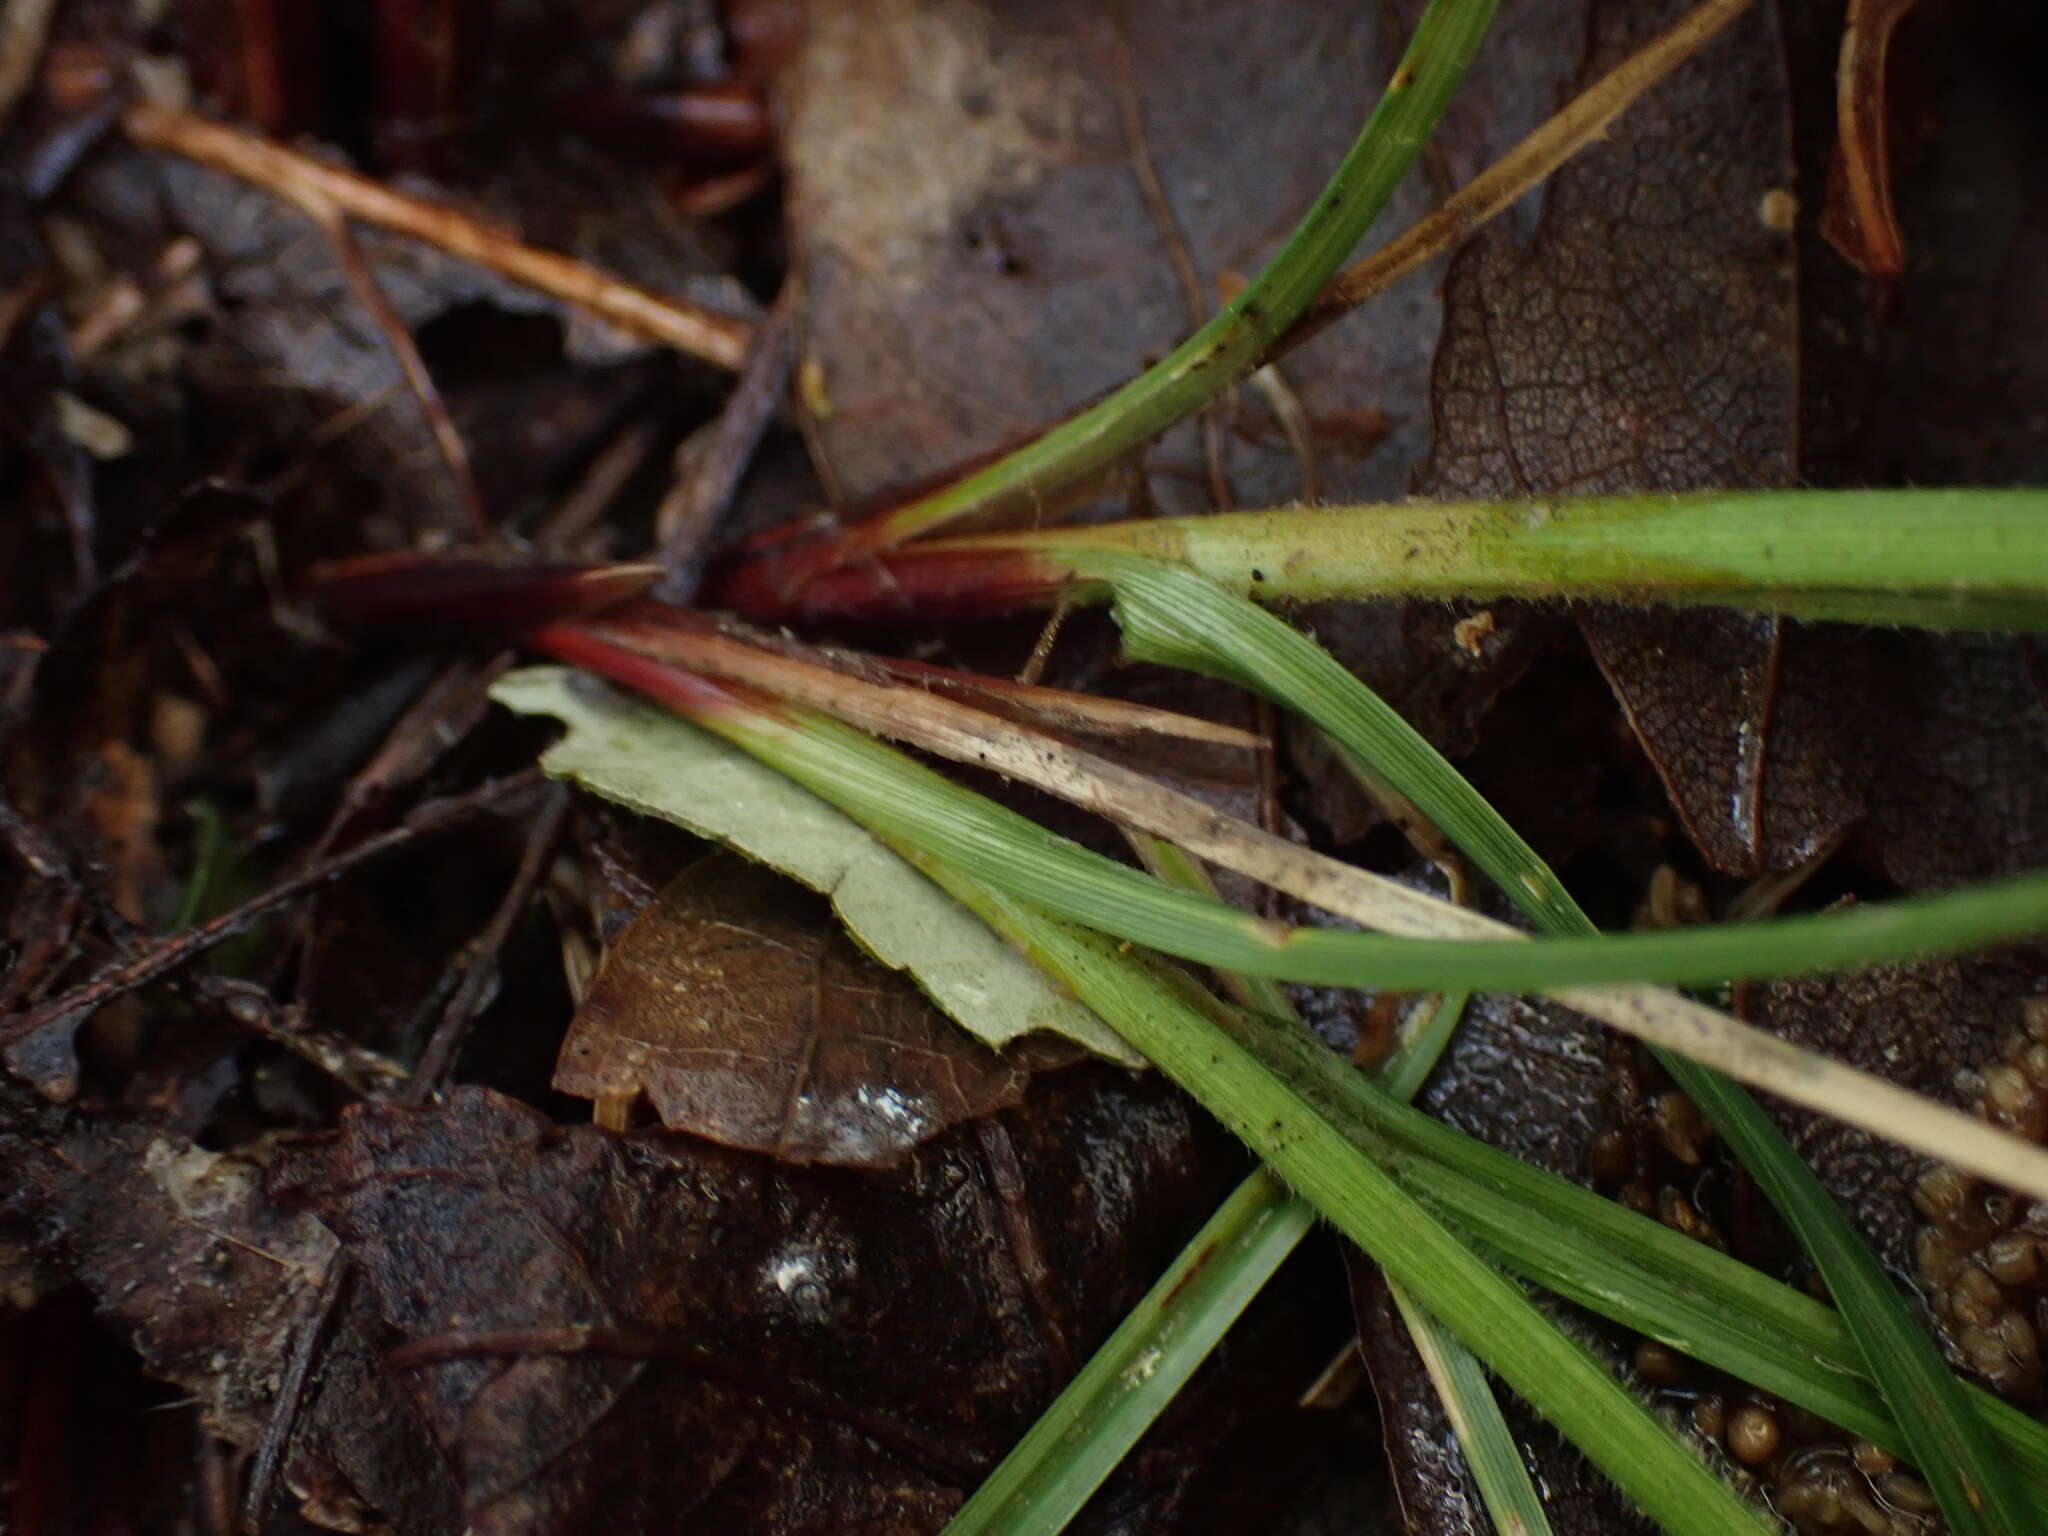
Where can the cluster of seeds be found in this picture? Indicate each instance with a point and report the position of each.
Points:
(1983, 1255)
(1821, 1480)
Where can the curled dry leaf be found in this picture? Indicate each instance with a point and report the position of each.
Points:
(738, 1005)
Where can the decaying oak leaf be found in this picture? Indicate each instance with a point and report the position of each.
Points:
(738, 1005)
(1931, 1027)
(657, 764)
(645, 1330)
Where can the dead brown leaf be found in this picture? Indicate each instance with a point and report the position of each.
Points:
(738, 1005)
(652, 1327)
(180, 1247)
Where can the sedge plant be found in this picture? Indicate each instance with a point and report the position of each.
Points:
(1446, 1218)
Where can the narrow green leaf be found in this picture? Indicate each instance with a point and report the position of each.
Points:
(1489, 1445)
(1126, 1384)
(1945, 1438)
(1231, 344)
(1174, 1023)
(1617, 1263)
(661, 765)
(880, 787)
(1088, 1429)
(1175, 615)
(1586, 1248)
(201, 896)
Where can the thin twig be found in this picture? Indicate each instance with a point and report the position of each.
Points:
(176, 949)
(1497, 188)
(363, 1072)
(567, 529)
(468, 1000)
(348, 254)
(127, 302)
(711, 462)
(716, 338)
(425, 1080)
(433, 725)
(291, 1391)
(1194, 300)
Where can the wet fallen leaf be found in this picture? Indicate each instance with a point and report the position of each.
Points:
(662, 766)
(1627, 348)
(1646, 338)
(645, 1324)
(961, 173)
(1427, 1465)
(179, 1247)
(739, 1006)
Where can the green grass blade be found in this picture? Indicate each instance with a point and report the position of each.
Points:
(1584, 1247)
(1180, 618)
(1231, 344)
(1619, 1264)
(1115, 1397)
(1489, 1445)
(1409, 1067)
(1173, 1023)
(1174, 615)
(1940, 559)
(880, 787)
(883, 789)
(201, 897)
(1128, 1381)
(1946, 1439)
(1174, 865)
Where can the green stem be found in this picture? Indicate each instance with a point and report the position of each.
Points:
(1077, 1442)
(1174, 1024)
(1231, 344)
(1492, 1455)
(1047, 1476)
(1942, 559)
(1184, 618)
